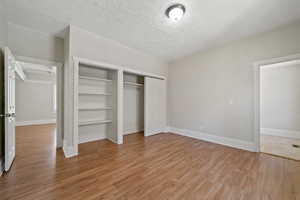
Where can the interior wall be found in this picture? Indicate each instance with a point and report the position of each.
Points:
(212, 92)
(280, 97)
(27, 42)
(34, 102)
(3, 25)
(94, 47)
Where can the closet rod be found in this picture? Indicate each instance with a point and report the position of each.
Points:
(94, 78)
(134, 84)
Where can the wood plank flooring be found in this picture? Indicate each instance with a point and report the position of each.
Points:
(164, 166)
(280, 146)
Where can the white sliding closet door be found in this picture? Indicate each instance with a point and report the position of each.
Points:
(155, 106)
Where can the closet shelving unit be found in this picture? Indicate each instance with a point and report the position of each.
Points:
(87, 108)
(94, 93)
(98, 93)
(93, 121)
(96, 103)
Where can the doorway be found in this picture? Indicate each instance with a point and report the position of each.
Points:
(38, 108)
(279, 107)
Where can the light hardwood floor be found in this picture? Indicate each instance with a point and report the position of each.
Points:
(164, 166)
(280, 146)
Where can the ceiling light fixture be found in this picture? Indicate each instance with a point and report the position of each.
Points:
(175, 12)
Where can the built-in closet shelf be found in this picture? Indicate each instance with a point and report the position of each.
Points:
(95, 79)
(95, 93)
(83, 108)
(93, 121)
(133, 84)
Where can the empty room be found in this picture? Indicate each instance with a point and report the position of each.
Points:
(149, 100)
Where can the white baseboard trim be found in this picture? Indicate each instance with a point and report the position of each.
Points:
(235, 143)
(92, 138)
(69, 151)
(280, 133)
(154, 131)
(113, 141)
(132, 131)
(36, 122)
(167, 129)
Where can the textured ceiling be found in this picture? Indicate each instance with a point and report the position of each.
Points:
(141, 24)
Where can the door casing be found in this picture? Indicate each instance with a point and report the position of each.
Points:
(256, 118)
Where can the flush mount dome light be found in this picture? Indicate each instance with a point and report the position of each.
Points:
(175, 12)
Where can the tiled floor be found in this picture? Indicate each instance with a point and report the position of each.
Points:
(280, 146)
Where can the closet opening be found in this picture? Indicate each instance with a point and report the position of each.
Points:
(97, 104)
(133, 114)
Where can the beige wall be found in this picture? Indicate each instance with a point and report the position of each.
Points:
(3, 25)
(94, 47)
(213, 91)
(34, 102)
(27, 42)
(280, 97)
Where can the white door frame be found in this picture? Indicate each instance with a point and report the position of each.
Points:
(59, 93)
(257, 67)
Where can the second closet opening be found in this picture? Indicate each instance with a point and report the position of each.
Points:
(133, 104)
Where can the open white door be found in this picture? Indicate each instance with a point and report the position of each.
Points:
(9, 84)
(155, 106)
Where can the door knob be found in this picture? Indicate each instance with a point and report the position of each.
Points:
(5, 115)
(8, 115)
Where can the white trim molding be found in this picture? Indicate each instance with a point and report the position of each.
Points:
(115, 67)
(120, 106)
(39, 81)
(36, 122)
(38, 61)
(235, 143)
(282, 64)
(132, 131)
(69, 151)
(100, 136)
(154, 131)
(280, 133)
